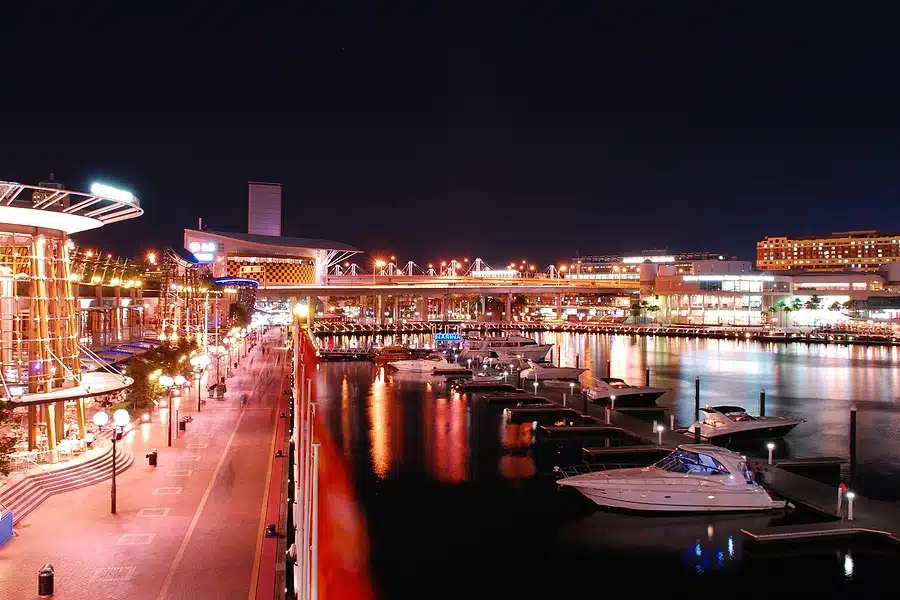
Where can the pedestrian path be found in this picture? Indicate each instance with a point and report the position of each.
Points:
(186, 528)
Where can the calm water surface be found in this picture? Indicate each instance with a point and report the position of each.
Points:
(455, 503)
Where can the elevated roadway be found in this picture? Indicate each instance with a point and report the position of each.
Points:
(388, 285)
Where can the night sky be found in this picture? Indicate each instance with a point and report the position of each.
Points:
(507, 134)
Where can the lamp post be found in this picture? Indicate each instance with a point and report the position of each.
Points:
(199, 363)
(121, 418)
(167, 382)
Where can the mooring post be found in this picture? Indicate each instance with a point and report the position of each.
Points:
(585, 403)
(608, 368)
(672, 421)
(697, 433)
(577, 361)
(608, 412)
(647, 377)
(762, 402)
(564, 400)
(853, 448)
(697, 398)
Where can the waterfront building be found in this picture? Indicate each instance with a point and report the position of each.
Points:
(45, 328)
(866, 251)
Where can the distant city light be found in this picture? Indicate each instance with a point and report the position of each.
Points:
(106, 191)
(654, 259)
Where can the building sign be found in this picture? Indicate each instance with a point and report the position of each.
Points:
(447, 337)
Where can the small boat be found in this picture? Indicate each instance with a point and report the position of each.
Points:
(693, 478)
(780, 336)
(505, 346)
(429, 364)
(539, 372)
(732, 424)
(561, 384)
(616, 392)
(487, 386)
(393, 353)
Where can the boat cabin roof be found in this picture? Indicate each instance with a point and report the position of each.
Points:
(725, 409)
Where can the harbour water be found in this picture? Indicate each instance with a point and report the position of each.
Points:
(454, 501)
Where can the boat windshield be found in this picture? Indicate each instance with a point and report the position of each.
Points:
(739, 417)
(682, 461)
(615, 383)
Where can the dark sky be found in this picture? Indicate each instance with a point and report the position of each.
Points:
(500, 133)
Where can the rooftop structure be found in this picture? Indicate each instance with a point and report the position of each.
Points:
(268, 259)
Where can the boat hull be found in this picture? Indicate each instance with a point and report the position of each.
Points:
(774, 432)
(635, 400)
(669, 501)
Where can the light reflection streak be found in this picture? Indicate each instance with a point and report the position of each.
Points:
(346, 416)
(379, 428)
(446, 438)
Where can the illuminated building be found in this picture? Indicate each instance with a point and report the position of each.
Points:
(42, 320)
(866, 251)
(619, 267)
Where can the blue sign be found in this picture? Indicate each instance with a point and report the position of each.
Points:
(447, 337)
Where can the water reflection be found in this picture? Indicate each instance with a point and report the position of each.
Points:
(380, 426)
(446, 429)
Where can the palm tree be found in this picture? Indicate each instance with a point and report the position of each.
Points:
(814, 303)
(796, 304)
(836, 307)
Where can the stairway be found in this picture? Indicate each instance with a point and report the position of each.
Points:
(26, 495)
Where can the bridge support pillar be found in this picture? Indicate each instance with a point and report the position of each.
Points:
(482, 301)
(362, 310)
(324, 300)
(559, 309)
(379, 310)
(507, 316)
(445, 306)
(396, 309)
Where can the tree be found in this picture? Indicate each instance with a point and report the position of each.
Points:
(796, 304)
(239, 315)
(836, 306)
(814, 303)
(167, 359)
(636, 310)
(7, 443)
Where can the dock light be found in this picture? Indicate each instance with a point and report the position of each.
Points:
(535, 387)
(612, 401)
(850, 497)
(771, 447)
(572, 388)
(659, 432)
(145, 418)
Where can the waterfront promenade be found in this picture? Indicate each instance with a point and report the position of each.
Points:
(191, 527)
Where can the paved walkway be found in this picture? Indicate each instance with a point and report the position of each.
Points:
(188, 528)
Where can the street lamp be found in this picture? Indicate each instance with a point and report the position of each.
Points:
(167, 382)
(378, 264)
(121, 418)
(199, 363)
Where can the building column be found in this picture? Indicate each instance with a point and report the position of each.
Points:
(422, 307)
(445, 307)
(559, 309)
(483, 301)
(324, 300)
(396, 309)
(79, 413)
(508, 316)
(310, 312)
(379, 310)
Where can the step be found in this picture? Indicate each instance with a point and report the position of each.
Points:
(38, 478)
(32, 495)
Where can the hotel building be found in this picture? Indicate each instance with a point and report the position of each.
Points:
(866, 251)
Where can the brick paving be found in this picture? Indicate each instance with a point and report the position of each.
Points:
(203, 547)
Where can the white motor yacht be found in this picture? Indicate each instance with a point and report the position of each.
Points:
(724, 424)
(693, 478)
(505, 347)
(543, 372)
(433, 363)
(611, 390)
